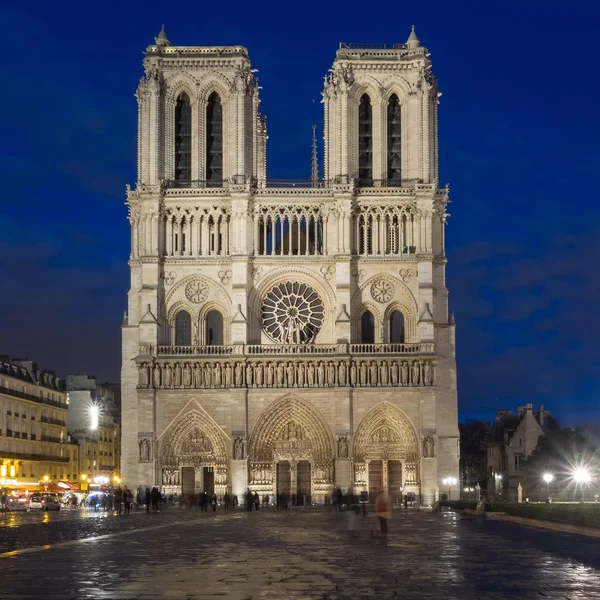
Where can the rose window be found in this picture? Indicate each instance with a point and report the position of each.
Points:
(382, 290)
(292, 313)
(196, 291)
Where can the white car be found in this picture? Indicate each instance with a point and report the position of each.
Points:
(36, 503)
(14, 504)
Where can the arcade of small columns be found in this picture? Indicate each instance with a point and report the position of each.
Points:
(292, 449)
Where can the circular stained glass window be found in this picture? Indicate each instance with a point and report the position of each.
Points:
(292, 313)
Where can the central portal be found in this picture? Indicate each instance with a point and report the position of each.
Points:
(208, 480)
(284, 477)
(303, 489)
(375, 478)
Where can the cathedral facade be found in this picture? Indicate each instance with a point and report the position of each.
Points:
(288, 337)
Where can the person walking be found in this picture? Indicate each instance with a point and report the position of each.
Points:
(118, 500)
(148, 500)
(127, 500)
(235, 502)
(383, 511)
(213, 502)
(256, 501)
(155, 497)
(226, 500)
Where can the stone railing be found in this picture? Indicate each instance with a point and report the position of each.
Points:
(251, 350)
(305, 371)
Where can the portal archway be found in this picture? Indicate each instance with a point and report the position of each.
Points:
(194, 454)
(291, 432)
(386, 452)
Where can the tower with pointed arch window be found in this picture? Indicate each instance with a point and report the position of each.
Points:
(288, 337)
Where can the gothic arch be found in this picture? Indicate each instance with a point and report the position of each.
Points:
(291, 429)
(225, 313)
(175, 443)
(358, 313)
(182, 82)
(410, 320)
(385, 432)
(216, 291)
(367, 85)
(302, 275)
(214, 82)
(396, 85)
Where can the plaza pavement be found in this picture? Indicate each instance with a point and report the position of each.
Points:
(270, 554)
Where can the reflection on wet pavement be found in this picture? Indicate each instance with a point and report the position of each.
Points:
(187, 554)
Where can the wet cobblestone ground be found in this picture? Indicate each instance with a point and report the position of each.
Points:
(186, 554)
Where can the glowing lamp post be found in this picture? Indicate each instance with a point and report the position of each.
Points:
(548, 478)
(582, 477)
(46, 481)
(449, 481)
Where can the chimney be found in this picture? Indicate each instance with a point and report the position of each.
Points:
(541, 416)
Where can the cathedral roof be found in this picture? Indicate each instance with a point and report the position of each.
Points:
(162, 39)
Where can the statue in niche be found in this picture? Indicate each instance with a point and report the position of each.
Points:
(259, 375)
(300, 375)
(330, 374)
(384, 373)
(177, 375)
(249, 374)
(353, 373)
(415, 373)
(218, 374)
(238, 449)
(321, 373)
(343, 447)
(427, 373)
(394, 373)
(145, 376)
(238, 374)
(168, 376)
(157, 376)
(363, 373)
(404, 373)
(197, 375)
(186, 376)
(207, 375)
(144, 450)
(290, 370)
(279, 374)
(270, 374)
(428, 447)
(310, 374)
(373, 373)
(342, 373)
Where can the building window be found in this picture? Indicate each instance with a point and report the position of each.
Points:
(214, 328)
(394, 173)
(183, 139)
(396, 328)
(516, 462)
(365, 141)
(183, 329)
(214, 141)
(367, 328)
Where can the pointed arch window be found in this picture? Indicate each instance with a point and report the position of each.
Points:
(394, 131)
(367, 328)
(397, 328)
(214, 328)
(183, 329)
(365, 141)
(214, 141)
(183, 139)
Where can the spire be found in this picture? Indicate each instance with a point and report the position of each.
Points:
(413, 40)
(162, 39)
(314, 164)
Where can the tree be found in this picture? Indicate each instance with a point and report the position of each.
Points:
(473, 434)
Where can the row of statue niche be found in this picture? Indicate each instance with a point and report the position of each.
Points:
(292, 374)
(261, 475)
(170, 477)
(324, 473)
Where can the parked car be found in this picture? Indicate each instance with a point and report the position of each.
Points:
(36, 503)
(14, 504)
(50, 503)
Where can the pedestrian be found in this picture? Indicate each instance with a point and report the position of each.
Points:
(213, 502)
(148, 499)
(249, 500)
(155, 498)
(235, 502)
(352, 520)
(118, 500)
(383, 511)
(256, 501)
(127, 499)
(226, 500)
(204, 501)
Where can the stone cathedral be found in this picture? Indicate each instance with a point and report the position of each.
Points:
(288, 336)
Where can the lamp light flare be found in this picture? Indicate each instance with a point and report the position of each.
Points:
(548, 477)
(582, 475)
(94, 417)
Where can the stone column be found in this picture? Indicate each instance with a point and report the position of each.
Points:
(293, 477)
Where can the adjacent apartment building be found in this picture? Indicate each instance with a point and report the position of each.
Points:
(33, 426)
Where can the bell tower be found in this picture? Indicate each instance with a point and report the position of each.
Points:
(380, 106)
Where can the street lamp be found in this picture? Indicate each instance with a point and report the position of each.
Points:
(582, 477)
(46, 480)
(449, 481)
(548, 478)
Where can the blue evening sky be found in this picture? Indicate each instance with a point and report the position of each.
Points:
(519, 135)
